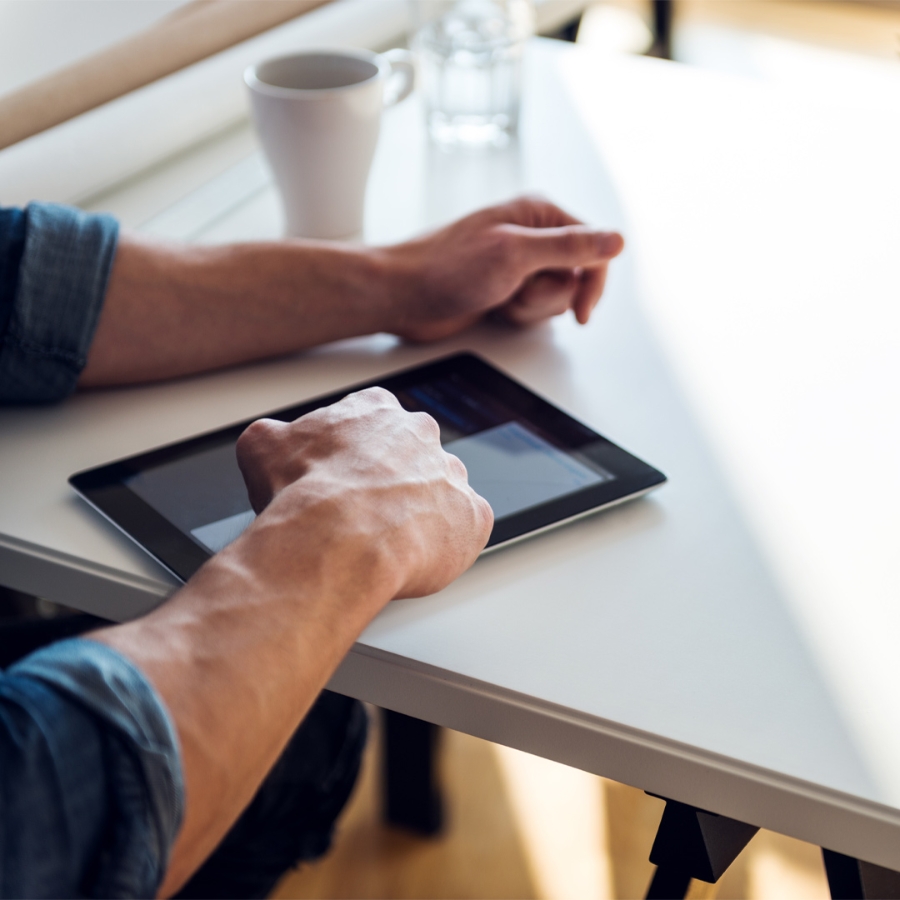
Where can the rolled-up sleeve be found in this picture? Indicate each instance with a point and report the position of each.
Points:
(91, 790)
(60, 281)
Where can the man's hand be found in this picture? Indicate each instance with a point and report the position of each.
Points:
(373, 477)
(358, 504)
(526, 261)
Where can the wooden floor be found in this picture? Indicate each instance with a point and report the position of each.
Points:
(522, 827)
(480, 855)
(870, 28)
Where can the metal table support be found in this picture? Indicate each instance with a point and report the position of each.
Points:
(412, 796)
(692, 843)
(852, 879)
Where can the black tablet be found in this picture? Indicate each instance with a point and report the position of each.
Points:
(537, 466)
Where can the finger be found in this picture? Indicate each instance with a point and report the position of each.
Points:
(258, 438)
(589, 292)
(427, 426)
(545, 295)
(534, 211)
(254, 450)
(564, 247)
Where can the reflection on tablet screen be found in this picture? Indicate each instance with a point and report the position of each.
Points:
(513, 468)
(218, 535)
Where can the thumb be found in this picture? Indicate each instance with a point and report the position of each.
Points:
(567, 247)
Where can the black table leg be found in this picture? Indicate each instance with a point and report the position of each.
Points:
(692, 843)
(852, 879)
(411, 791)
(662, 29)
(844, 880)
(668, 884)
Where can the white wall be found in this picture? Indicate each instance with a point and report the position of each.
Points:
(39, 36)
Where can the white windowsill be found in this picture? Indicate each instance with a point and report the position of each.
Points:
(88, 154)
(80, 160)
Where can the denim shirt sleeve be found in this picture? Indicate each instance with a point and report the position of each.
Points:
(59, 280)
(91, 791)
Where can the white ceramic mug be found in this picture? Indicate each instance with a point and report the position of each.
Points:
(318, 114)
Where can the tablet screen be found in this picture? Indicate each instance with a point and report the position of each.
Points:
(534, 464)
(508, 461)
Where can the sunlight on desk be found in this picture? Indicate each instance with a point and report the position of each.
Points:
(546, 803)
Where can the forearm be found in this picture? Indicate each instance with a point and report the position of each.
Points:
(173, 310)
(239, 656)
(358, 504)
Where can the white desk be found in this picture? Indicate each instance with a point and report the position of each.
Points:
(706, 643)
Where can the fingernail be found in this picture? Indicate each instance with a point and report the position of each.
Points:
(609, 243)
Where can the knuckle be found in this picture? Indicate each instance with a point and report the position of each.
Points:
(521, 207)
(427, 424)
(359, 402)
(321, 415)
(256, 436)
(380, 395)
(487, 514)
(458, 467)
(503, 246)
(537, 210)
(534, 202)
(533, 198)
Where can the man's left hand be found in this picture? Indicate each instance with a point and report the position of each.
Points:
(524, 261)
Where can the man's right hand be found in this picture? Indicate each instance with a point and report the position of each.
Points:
(370, 480)
(358, 504)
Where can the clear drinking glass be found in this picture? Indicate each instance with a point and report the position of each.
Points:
(470, 58)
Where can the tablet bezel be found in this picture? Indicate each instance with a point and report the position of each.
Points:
(105, 489)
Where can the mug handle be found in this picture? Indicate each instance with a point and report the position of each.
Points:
(403, 70)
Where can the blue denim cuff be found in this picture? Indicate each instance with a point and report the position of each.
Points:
(63, 274)
(115, 690)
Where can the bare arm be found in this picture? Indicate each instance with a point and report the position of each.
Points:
(360, 502)
(174, 309)
(361, 505)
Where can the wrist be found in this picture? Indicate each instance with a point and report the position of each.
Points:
(312, 554)
(292, 587)
(398, 275)
(362, 290)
